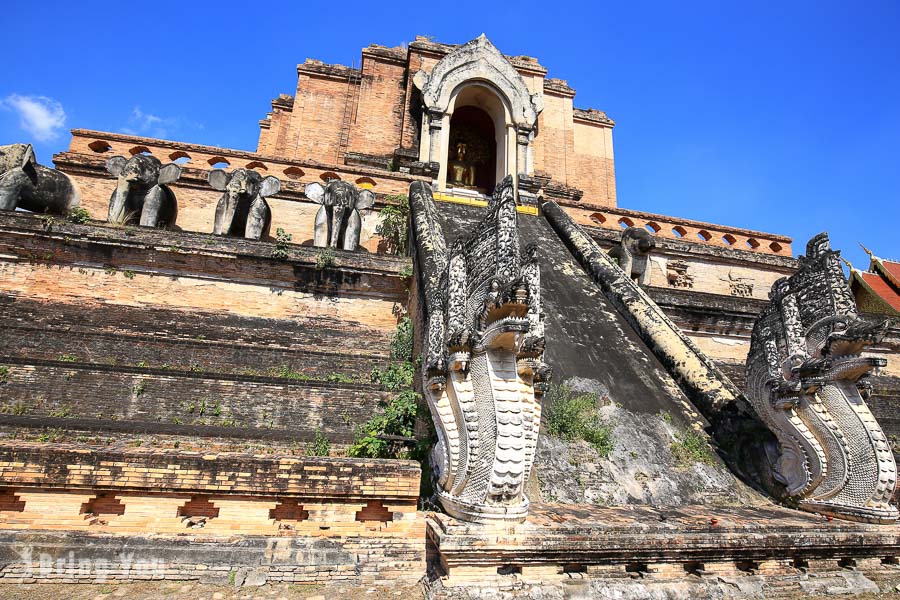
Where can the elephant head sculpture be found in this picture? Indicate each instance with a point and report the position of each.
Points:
(26, 184)
(633, 252)
(338, 222)
(242, 210)
(141, 194)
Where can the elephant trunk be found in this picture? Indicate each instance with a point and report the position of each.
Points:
(337, 225)
(225, 211)
(119, 201)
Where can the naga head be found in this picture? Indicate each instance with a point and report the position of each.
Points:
(483, 369)
(807, 379)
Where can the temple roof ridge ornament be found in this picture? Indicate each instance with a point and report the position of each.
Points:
(479, 60)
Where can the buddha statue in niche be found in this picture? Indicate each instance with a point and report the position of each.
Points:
(462, 171)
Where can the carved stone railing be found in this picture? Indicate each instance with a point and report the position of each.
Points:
(482, 370)
(673, 228)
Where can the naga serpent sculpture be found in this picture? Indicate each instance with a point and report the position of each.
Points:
(808, 382)
(483, 370)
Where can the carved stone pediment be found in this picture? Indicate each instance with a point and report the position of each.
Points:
(479, 60)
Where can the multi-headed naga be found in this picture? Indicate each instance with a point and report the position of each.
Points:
(483, 370)
(808, 381)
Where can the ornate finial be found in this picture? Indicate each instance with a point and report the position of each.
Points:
(866, 250)
(847, 262)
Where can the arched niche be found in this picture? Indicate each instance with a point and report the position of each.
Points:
(477, 74)
(479, 116)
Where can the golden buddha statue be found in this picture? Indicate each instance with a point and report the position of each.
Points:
(461, 172)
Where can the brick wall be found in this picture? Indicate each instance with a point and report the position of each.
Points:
(148, 329)
(304, 520)
(378, 114)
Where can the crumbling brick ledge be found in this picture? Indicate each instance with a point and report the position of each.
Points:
(79, 513)
(558, 542)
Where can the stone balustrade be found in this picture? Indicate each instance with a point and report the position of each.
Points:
(674, 228)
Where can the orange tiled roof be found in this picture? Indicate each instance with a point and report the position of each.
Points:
(880, 287)
(892, 269)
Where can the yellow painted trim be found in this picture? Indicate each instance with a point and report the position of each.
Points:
(441, 197)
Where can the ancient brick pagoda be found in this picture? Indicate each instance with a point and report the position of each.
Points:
(196, 340)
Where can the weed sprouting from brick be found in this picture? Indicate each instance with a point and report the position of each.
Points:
(378, 437)
(325, 259)
(394, 225)
(319, 446)
(691, 447)
(79, 215)
(574, 416)
(282, 240)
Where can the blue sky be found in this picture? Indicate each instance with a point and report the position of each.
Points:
(777, 116)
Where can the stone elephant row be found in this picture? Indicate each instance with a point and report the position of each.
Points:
(142, 196)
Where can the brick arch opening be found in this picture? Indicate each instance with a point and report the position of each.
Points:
(294, 173)
(139, 150)
(366, 183)
(180, 157)
(218, 162)
(100, 146)
(329, 175)
(257, 165)
(472, 157)
(625, 223)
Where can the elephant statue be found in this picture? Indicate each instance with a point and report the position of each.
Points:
(142, 195)
(242, 210)
(338, 222)
(633, 253)
(26, 184)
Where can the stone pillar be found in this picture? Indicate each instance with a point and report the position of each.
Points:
(435, 125)
(436, 153)
(523, 139)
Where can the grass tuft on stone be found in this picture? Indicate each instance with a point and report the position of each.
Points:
(691, 447)
(574, 416)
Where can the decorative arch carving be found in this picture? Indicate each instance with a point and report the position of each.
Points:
(474, 61)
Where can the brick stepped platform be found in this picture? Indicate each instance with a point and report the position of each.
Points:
(561, 542)
(133, 331)
(84, 396)
(197, 341)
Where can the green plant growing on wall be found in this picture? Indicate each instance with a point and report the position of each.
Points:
(319, 446)
(325, 259)
(372, 439)
(394, 225)
(282, 239)
(67, 357)
(48, 222)
(79, 215)
(4, 373)
(573, 416)
(138, 389)
(396, 377)
(402, 340)
(691, 447)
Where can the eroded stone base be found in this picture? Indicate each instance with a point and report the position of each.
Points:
(566, 551)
